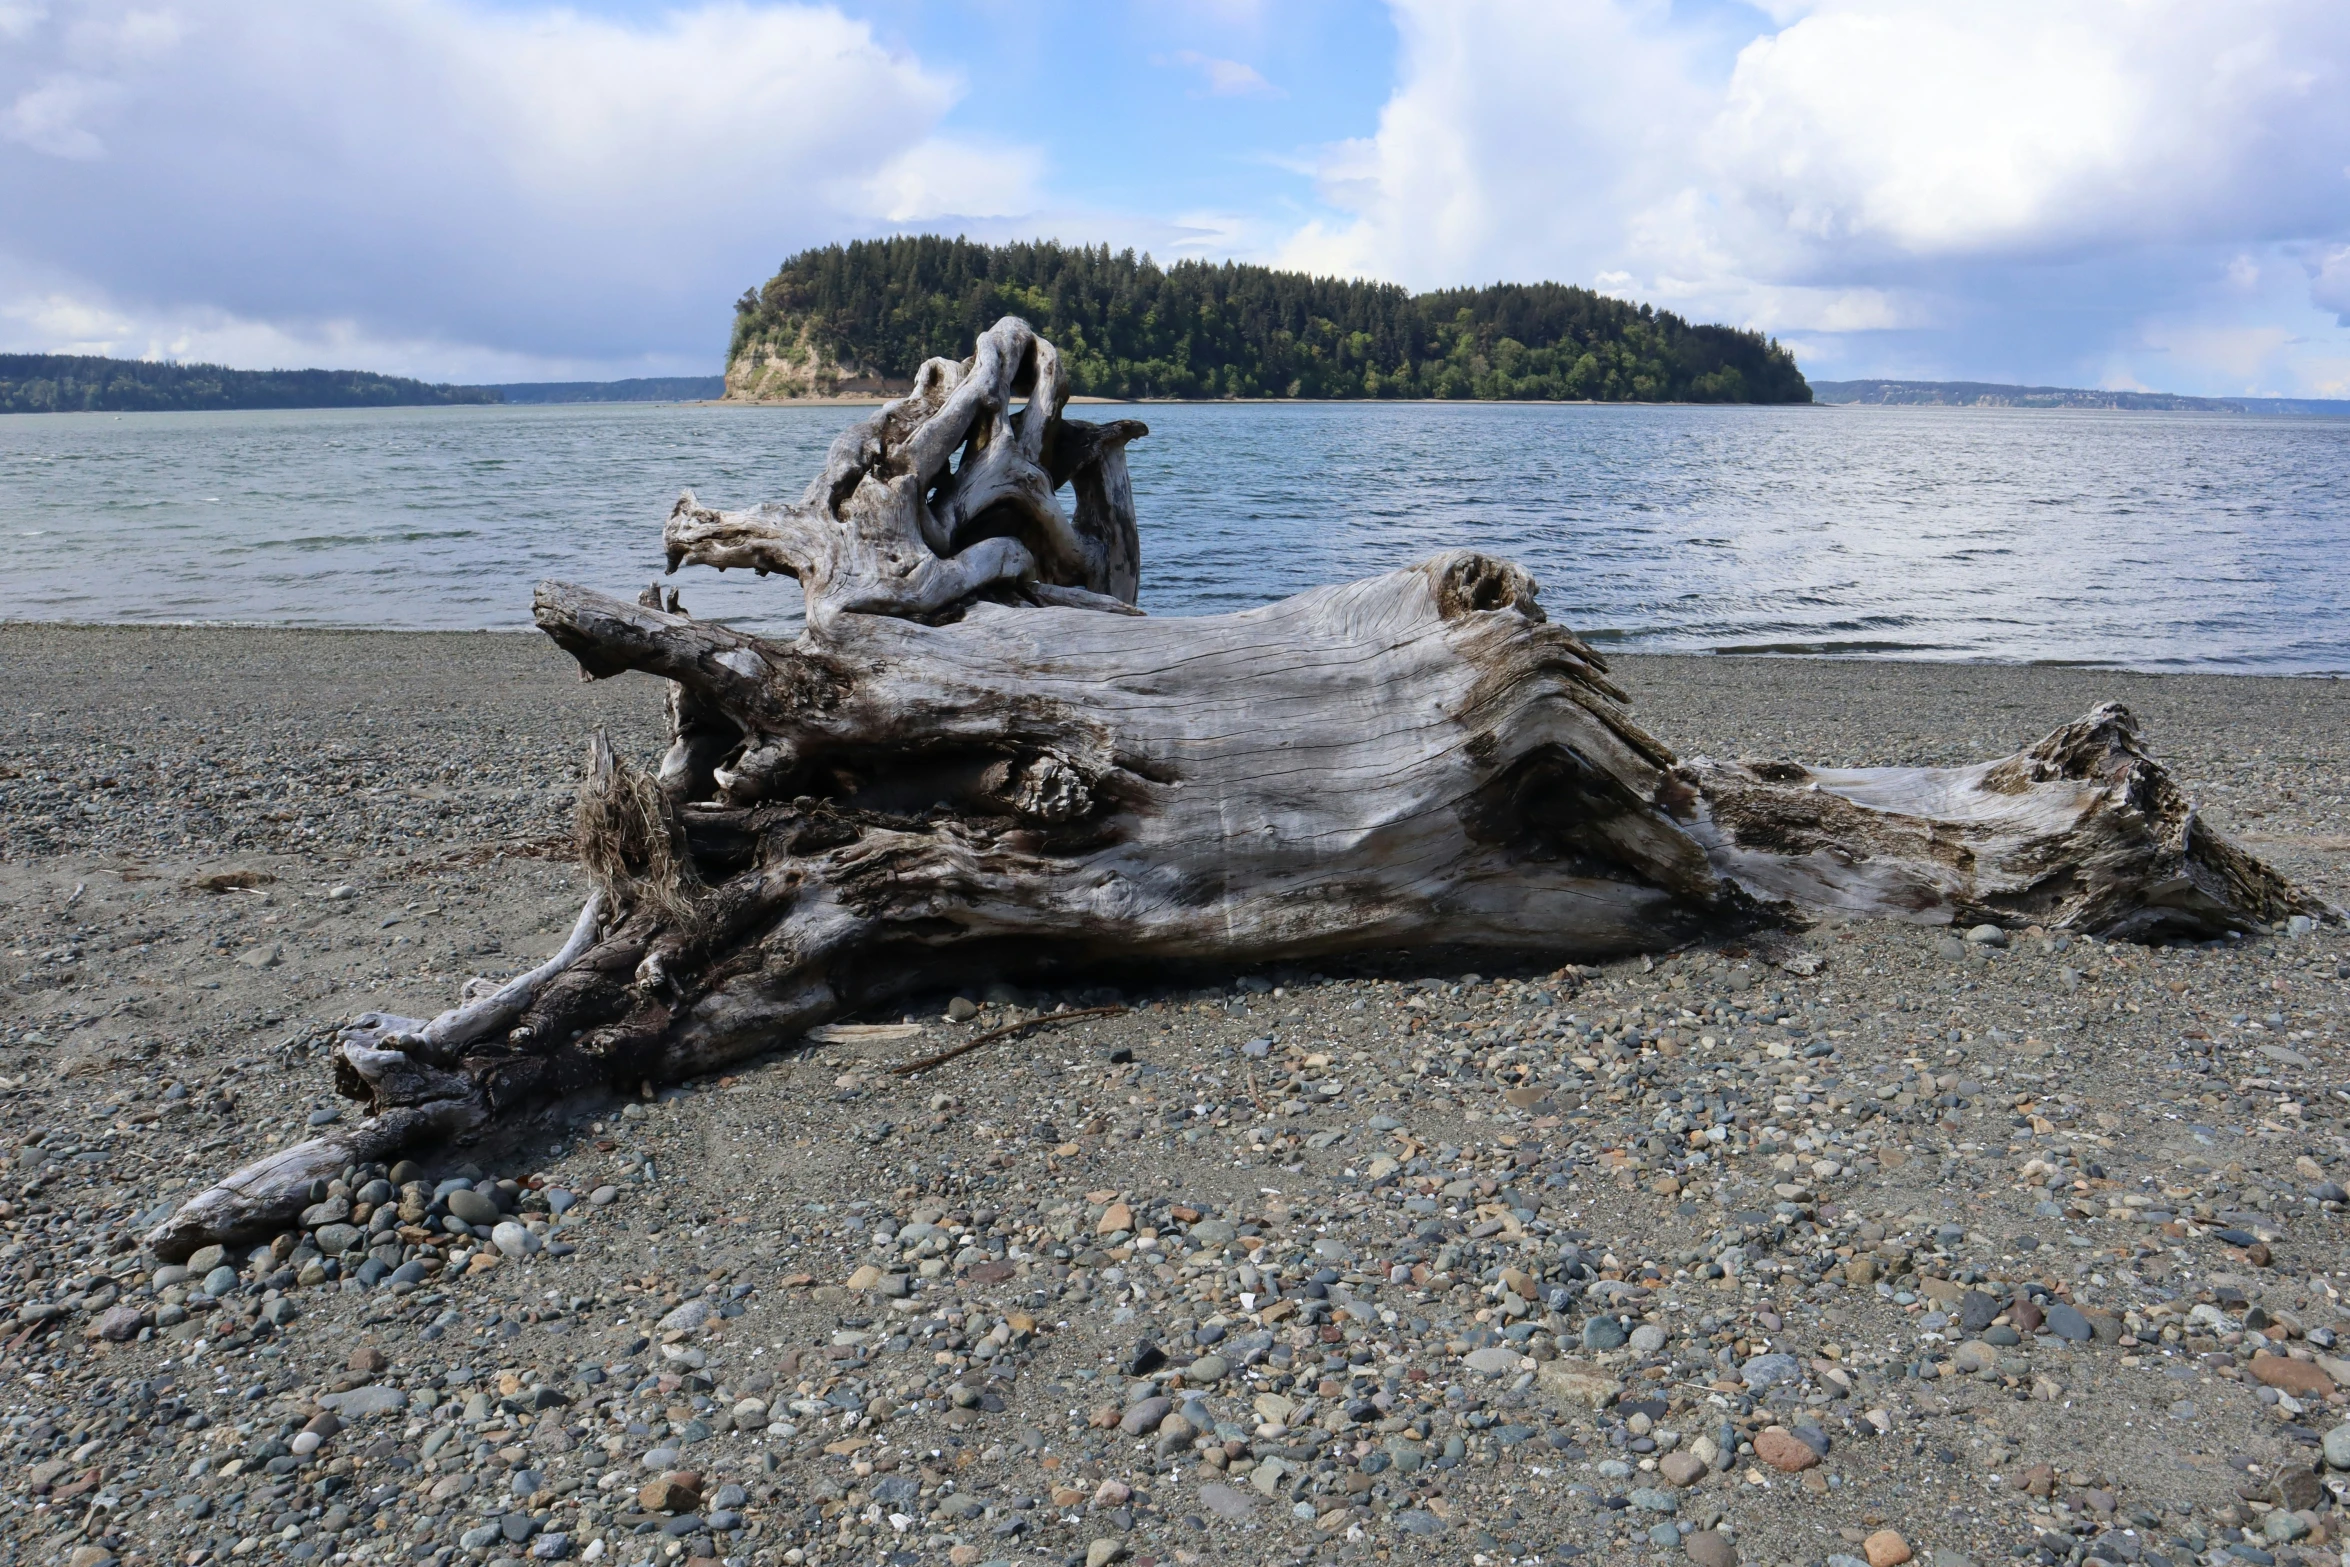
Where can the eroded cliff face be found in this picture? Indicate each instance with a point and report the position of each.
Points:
(780, 366)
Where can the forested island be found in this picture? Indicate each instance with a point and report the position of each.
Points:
(861, 317)
(85, 383)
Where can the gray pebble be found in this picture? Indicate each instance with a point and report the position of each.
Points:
(473, 1207)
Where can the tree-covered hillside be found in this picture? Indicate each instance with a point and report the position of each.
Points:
(81, 383)
(853, 317)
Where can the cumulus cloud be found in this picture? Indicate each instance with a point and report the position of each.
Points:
(1857, 165)
(442, 183)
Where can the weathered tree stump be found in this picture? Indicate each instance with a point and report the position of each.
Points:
(978, 759)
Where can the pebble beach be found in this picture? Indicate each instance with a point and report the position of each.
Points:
(1867, 1243)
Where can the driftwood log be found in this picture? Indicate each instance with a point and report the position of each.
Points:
(978, 759)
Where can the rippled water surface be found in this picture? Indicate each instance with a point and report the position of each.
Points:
(2150, 540)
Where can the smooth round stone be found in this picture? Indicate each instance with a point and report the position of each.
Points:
(660, 1458)
(169, 1274)
(304, 1443)
(514, 1239)
(559, 1201)
(473, 1207)
(1603, 1333)
(220, 1280)
(603, 1196)
(335, 1239)
(204, 1259)
(1207, 1370)
(2337, 1447)
(1648, 1338)
(2281, 1526)
(2068, 1324)
(1987, 936)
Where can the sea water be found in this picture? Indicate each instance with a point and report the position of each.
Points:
(2154, 541)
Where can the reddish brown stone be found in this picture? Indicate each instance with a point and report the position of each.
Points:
(1783, 1451)
(678, 1491)
(2300, 1378)
(1885, 1548)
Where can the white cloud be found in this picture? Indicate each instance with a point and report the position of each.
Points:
(2243, 353)
(1227, 78)
(2329, 283)
(1858, 166)
(448, 182)
(2027, 127)
(53, 117)
(943, 177)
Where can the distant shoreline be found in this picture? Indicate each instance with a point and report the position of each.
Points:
(2248, 407)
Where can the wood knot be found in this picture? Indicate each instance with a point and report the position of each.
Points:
(1479, 584)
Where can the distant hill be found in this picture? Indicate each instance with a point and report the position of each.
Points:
(643, 389)
(1992, 394)
(79, 383)
(862, 318)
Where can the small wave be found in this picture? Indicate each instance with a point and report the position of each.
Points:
(1831, 648)
(330, 541)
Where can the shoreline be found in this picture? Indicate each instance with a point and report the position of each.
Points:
(1608, 649)
(861, 400)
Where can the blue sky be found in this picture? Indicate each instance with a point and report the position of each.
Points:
(2153, 194)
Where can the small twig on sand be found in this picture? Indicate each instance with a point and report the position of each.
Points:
(994, 1034)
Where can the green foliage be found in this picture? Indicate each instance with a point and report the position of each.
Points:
(1127, 327)
(79, 383)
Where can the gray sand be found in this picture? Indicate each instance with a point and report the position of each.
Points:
(1460, 1187)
